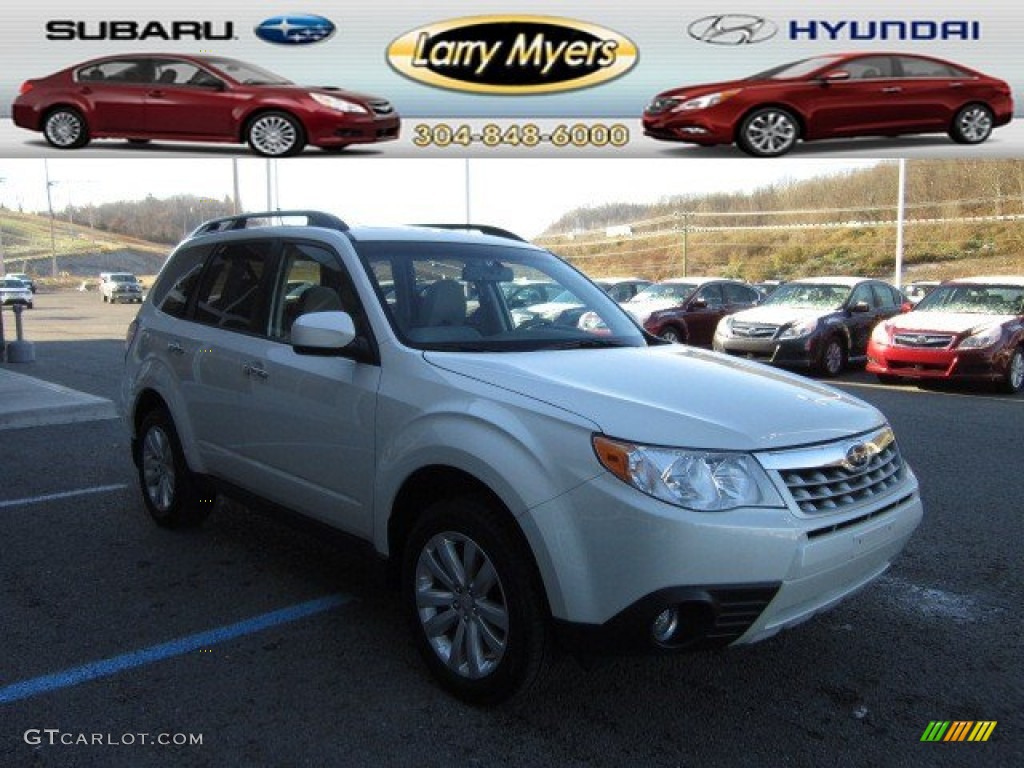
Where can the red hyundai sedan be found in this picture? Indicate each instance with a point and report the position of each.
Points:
(825, 97)
(970, 329)
(197, 98)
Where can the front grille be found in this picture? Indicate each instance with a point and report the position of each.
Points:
(754, 330)
(821, 490)
(923, 340)
(381, 107)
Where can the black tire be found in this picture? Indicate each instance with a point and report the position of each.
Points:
(673, 334)
(275, 134)
(174, 495)
(1014, 381)
(768, 132)
(973, 124)
(832, 360)
(65, 128)
(514, 657)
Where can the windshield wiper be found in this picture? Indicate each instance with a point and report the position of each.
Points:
(587, 344)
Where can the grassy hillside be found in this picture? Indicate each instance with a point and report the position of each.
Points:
(81, 251)
(963, 217)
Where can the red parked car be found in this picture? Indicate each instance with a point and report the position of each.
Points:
(197, 98)
(839, 95)
(970, 329)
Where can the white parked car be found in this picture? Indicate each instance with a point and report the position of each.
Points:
(14, 291)
(527, 485)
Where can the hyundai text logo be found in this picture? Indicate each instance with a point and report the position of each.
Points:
(732, 29)
(296, 29)
(885, 29)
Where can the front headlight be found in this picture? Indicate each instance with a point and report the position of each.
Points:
(799, 329)
(724, 327)
(881, 334)
(704, 481)
(339, 105)
(703, 102)
(982, 339)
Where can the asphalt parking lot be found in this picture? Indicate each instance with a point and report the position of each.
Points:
(276, 644)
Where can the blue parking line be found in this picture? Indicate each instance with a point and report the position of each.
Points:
(97, 669)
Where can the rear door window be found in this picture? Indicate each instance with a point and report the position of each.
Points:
(231, 293)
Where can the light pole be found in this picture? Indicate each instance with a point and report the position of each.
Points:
(3, 269)
(49, 205)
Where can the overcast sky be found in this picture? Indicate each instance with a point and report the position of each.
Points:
(522, 195)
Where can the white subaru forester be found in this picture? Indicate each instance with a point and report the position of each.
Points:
(529, 483)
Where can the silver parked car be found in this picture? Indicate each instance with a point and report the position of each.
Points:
(527, 484)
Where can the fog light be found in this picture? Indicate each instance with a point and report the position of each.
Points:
(665, 625)
(693, 129)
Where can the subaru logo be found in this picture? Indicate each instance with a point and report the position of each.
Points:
(732, 29)
(857, 456)
(295, 29)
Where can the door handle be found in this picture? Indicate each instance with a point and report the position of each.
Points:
(156, 94)
(892, 89)
(956, 85)
(175, 347)
(254, 369)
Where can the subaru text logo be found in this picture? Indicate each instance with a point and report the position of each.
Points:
(857, 456)
(296, 29)
(732, 29)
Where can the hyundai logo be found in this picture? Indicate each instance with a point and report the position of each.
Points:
(732, 29)
(295, 29)
(857, 456)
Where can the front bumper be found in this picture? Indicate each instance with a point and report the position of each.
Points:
(697, 127)
(981, 365)
(126, 297)
(788, 353)
(340, 131)
(613, 559)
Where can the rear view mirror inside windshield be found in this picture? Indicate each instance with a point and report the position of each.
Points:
(487, 272)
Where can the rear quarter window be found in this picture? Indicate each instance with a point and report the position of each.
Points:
(178, 280)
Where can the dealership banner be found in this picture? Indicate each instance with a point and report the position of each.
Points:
(568, 65)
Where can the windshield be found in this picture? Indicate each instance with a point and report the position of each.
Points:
(661, 291)
(247, 74)
(795, 69)
(12, 284)
(808, 296)
(454, 296)
(123, 278)
(974, 300)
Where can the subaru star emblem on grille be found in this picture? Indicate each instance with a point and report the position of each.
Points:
(857, 456)
(921, 340)
(295, 29)
(732, 29)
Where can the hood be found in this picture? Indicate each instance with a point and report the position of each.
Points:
(641, 310)
(693, 91)
(946, 322)
(551, 309)
(674, 395)
(329, 90)
(780, 315)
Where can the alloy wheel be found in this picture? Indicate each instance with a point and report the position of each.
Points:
(158, 469)
(771, 132)
(975, 124)
(63, 129)
(461, 605)
(273, 135)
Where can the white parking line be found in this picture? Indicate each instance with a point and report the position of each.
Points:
(911, 389)
(61, 495)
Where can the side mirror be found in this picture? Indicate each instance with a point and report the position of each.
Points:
(699, 304)
(906, 306)
(860, 307)
(322, 332)
(835, 76)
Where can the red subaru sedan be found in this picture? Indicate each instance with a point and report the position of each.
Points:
(825, 97)
(970, 329)
(197, 98)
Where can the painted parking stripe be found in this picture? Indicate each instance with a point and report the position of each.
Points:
(112, 666)
(61, 495)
